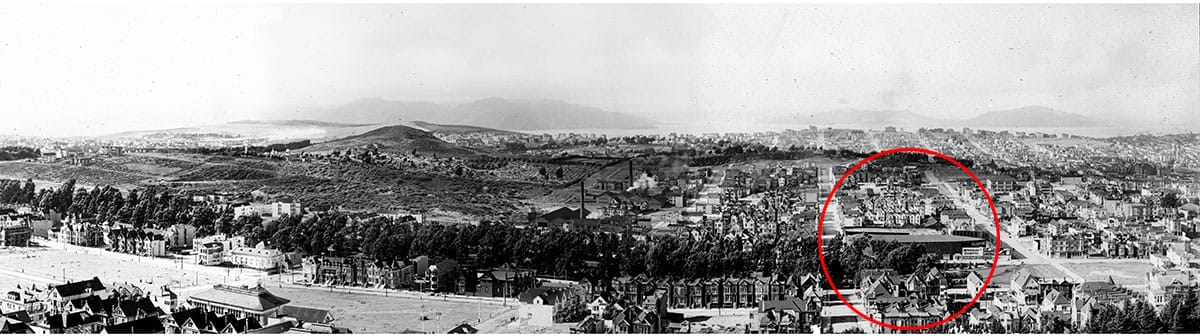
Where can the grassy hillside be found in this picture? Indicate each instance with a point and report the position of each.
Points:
(395, 139)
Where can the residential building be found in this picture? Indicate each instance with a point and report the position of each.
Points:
(1165, 284)
(15, 234)
(139, 242)
(79, 233)
(201, 321)
(359, 270)
(210, 254)
(279, 209)
(505, 282)
(257, 257)
(58, 297)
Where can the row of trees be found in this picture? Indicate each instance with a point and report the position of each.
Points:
(575, 253)
(150, 207)
(15, 192)
(10, 153)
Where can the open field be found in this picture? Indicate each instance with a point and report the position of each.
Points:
(522, 327)
(368, 313)
(61, 173)
(1124, 272)
(78, 263)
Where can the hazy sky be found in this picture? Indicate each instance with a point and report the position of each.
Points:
(97, 69)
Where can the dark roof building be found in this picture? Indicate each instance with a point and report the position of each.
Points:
(149, 325)
(306, 314)
(253, 302)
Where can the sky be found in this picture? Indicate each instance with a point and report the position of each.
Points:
(95, 69)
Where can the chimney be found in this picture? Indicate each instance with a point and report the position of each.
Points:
(631, 173)
(582, 197)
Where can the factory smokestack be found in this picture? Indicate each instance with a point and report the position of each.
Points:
(582, 197)
(631, 173)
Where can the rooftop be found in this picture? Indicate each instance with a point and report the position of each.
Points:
(249, 298)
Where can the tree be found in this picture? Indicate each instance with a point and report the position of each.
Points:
(29, 193)
(1171, 200)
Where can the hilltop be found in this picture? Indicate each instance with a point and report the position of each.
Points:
(1032, 116)
(459, 129)
(396, 139)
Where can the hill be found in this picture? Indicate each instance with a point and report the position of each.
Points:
(499, 113)
(298, 123)
(396, 139)
(1031, 116)
(459, 129)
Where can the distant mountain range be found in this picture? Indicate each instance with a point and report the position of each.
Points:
(503, 117)
(459, 129)
(1032, 116)
(499, 113)
(1028, 116)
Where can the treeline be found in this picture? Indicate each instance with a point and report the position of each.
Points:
(10, 153)
(16, 192)
(573, 253)
(150, 207)
(249, 150)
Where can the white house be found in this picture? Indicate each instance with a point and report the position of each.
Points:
(244, 211)
(257, 257)
(279, 209)
(211, 253)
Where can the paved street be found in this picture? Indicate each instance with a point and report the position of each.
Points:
(985, 222)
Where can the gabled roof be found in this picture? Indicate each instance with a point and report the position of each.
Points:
(149, 325)
(306, 314)
(548, 295)
(71, 320)
(277, 328)
(1023, 278)
(239, 325)
(250, 298)
(141, 307)
(565, 213)
(11, 326)
(79, 287)
(463, 329)
(196, 315)
(19, 315)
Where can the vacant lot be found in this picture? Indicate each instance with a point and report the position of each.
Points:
(51, 264)
(368, 313)
(61, 172)
(1125, 272)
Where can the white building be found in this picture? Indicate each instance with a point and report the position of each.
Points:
(211, 253)
(256, 257)
(227, 243)
(279, 209)
(244, 211)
